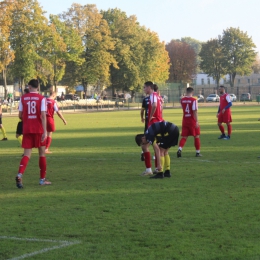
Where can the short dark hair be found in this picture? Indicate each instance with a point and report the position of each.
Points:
(26, 91)
(155, 87)
(138, 139)
(221, 86)
(149, 84)
(34, 83)
(189, 90)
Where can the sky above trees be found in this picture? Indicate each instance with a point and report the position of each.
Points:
(174, 19)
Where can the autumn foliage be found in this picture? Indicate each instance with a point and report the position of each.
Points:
(182, 61)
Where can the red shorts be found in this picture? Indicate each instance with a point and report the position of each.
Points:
(32, 141)
(190, 130)
(225, 118)
(50, 124)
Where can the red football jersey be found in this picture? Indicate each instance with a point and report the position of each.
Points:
(189, 104)
(51, 107)
(157, 116)
(224, 100)
(31, 106)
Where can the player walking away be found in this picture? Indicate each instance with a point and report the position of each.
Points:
(154, 115)
(190, 123)
(19, 128)
(162, 135)
(51, 108)
(144, 116)
(224, 113)
(32, 111)
(1, 124)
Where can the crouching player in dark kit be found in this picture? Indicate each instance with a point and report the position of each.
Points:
(162, 135)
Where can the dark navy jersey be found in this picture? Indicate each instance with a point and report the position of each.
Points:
(145, 105)
(159, 129)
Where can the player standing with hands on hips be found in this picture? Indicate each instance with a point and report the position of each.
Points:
(224, 113)
(32, 111)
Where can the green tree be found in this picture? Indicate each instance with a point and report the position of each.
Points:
(139, 53)
(256, 65)
(97, 44)
(68, 38)
(238, 50)
(6, 53)
(27, 33)
(212, 59)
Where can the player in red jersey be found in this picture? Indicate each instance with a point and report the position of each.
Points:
(224, 113)
(51, 108)
(154, 115)
(155, 104)
(190, 123)
(32, 111)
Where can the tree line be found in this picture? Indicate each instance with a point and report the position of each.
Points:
(79, 46)
(232, 53)
(108, 48)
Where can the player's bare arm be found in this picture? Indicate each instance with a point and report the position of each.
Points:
(43, 117)
(154, 106)
(61, 117)
(20, 115)
(142, 115)
(195, 114)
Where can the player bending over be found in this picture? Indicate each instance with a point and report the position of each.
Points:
(162, 135)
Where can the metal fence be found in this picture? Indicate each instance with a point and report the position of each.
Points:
(171, 97)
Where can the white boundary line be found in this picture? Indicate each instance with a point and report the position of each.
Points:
(44, 250)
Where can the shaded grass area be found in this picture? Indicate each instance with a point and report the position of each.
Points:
(209, 209)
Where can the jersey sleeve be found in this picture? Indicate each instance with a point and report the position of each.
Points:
(43, 105)
(228, 98)
(56, 109)
(20, 106)
(153, 99)
(195, 105)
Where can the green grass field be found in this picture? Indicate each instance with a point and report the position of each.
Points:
(208, 209)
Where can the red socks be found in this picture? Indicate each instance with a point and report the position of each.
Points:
(221, 128)
(48, 142)
(197, 143)
(147, 160)
(23, 164)
(182, 142)
(229, 130)
(43, 166)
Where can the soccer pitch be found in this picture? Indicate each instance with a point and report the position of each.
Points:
(99, 207)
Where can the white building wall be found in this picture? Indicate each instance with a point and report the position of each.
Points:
(203, 79)
(10, 89)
